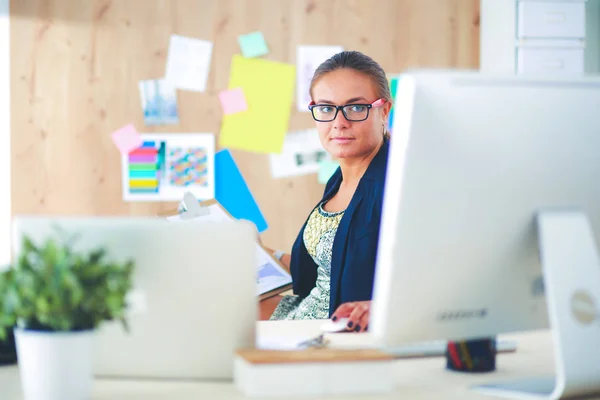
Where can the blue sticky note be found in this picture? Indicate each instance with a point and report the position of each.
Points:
(326, 169)
(253, 45)
(232, 192)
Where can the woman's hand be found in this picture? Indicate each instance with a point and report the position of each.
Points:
(358, 313)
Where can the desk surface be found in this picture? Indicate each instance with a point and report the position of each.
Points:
(416, 379)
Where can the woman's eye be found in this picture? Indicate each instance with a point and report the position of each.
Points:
(326, 109)
(358, 109)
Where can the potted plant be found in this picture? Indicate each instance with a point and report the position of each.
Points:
(54, 298)
(8, 351)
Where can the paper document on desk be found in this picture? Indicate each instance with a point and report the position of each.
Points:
(270, 275)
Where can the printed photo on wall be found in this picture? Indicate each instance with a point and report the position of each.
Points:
(302, 154)
(159, 102)
(167, 165)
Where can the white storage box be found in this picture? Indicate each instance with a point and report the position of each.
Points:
(312, 372)
(551, 19)
(547, 60)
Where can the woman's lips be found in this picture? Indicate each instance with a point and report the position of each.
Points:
(342, 139)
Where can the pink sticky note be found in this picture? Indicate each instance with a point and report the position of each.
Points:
(233, 101)
(127, 139)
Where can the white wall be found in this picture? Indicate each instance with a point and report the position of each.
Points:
(4, 134)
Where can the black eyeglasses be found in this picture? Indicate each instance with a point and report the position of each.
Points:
(352, 112)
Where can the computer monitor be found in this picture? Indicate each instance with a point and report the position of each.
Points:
(487, 176)
(193, 301)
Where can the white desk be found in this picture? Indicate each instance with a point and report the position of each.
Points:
(416, 379)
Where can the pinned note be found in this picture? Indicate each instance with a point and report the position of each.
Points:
(308, 58)
(127, 139)
(253, 45)
(269, 90)
(188, 63)
(233, 193)
(326, 169)
(233, 101)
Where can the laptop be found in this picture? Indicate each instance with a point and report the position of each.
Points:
(194, 297)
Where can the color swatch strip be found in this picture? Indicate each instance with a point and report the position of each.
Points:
(144, 169)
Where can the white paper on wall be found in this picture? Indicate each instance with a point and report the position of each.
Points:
(188, 63)
(308, 58)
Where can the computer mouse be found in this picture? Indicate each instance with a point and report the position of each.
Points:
(335, 326)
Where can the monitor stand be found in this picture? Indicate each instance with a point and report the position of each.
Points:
(571, 272)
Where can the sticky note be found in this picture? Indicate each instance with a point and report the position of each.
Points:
(127, 139)
(232, 192)
(233, 101)
(269, 90)
(326, 170)
(253, 45)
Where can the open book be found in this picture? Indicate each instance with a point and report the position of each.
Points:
(271, 277)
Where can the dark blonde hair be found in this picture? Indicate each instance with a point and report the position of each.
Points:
(358, 62)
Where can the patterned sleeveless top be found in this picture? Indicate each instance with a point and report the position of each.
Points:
(318, 237)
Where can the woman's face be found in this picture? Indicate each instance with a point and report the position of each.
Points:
(340, 137)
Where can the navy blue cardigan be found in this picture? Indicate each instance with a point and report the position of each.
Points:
(355, 243)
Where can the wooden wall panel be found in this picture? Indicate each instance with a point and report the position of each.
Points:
(75, 67)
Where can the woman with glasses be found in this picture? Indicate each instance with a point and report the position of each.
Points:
(333, 258)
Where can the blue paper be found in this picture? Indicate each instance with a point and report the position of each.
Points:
(232, 192)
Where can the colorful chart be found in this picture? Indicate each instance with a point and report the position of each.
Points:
(166, 166)
(188, 166)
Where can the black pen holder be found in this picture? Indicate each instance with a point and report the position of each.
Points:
(477, 355)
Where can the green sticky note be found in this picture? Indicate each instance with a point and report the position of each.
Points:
(253, 45)
(326, 169)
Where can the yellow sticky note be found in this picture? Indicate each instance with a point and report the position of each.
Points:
(269, 90)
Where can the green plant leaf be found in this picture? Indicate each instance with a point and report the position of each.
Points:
(52, 287)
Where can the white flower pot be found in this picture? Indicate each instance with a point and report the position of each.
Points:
(55, 365)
